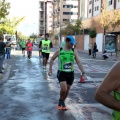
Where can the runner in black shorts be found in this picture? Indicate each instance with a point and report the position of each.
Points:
(45, 55)
(65, 74)
(45, 46)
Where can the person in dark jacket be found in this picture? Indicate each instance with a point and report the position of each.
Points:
(94, 50)
(2, 53)
(8, 48)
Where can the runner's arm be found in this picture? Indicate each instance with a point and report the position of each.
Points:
(51, 45)
(52, 60)
(40, 44)
(79, 63)
(110, 83)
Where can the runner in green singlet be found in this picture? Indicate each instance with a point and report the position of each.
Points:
(108, 93)
(23, 46)
(65, 74)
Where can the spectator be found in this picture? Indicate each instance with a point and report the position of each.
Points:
(2, 53)
(94, 50)
(105, 55)
(89, 48)
(8, 48)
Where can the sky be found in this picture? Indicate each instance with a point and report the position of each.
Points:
(30, 10)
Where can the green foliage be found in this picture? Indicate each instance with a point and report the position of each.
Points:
(4, 6)
(92, 33)
(71, 29)
(21, 37)
(9, 26)
(33, 36)
(109, 19)
(56, 37)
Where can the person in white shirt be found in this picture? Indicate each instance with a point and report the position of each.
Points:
(89, 48)
(105, 55)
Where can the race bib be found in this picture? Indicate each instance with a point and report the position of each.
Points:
(67, 66)
(45, 47)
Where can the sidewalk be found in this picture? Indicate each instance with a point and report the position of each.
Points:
(112, 57)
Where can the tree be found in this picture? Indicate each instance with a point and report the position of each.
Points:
(33, 36)
(10, 26)
(4, 6)
(70, 28)
(109, 19)
(77, 26)
(93, 34)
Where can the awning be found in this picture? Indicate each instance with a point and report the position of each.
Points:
(115, 33)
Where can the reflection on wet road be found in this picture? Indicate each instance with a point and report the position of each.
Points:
(30, 94)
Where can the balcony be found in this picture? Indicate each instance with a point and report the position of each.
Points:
(54, 1)
(41, 9)
(53, 25)
(58, 10)
(58, 23)
(41, 28)
(53, 13)
(41, 18)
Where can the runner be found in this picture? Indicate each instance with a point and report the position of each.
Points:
(23, 46)
(45, 45)
(65, 73)
(40, 49)
(29, 46)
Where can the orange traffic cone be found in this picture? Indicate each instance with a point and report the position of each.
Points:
(82, 80)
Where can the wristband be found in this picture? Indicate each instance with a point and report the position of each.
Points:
(83, 73)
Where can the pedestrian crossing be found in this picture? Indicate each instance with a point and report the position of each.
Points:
(89, 68)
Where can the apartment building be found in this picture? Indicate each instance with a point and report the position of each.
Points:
(45, 16)
(94, 6)
(64, 10)
(117, 4)
(94, 11)
(82, 9)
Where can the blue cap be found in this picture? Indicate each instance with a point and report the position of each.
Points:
(72, 40)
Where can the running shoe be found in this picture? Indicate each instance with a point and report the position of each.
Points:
(44, 69)
(59, 106)
(64, 106)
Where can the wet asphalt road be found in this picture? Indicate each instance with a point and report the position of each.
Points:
(28, 93)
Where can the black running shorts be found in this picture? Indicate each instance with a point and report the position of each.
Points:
(65, 76)
(23, 49)
(45, 55)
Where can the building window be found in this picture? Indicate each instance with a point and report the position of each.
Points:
(67, 6)
(65, 19)
(90, 11)
(75, 6)
(97, 8)
(110, 2)
(90, 2)
(70, 13)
